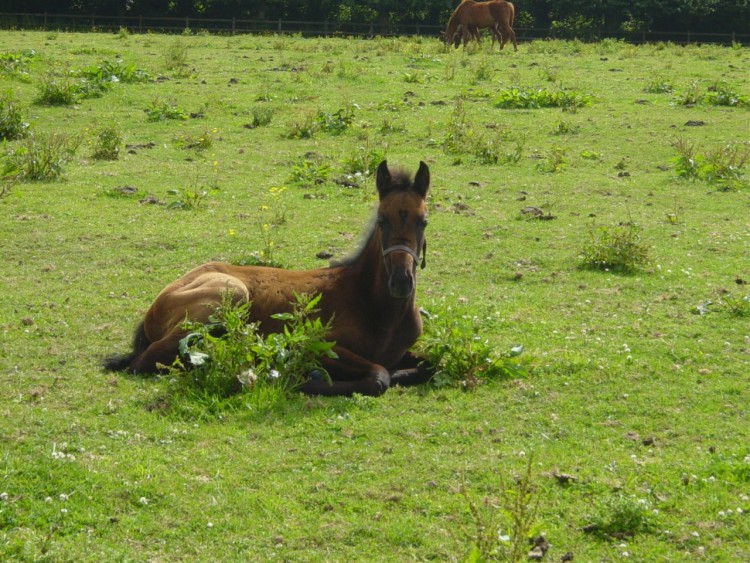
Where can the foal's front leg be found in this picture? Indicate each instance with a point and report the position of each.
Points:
(412, 370)
(349, 374)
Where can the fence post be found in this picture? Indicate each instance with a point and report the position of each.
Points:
(140, 23)
(45, 20)
(234, 25)
(187, 22)
(325, 28)
(279, 29)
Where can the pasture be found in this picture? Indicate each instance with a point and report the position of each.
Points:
(630, 430)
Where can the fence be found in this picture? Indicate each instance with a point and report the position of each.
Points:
(233, 26)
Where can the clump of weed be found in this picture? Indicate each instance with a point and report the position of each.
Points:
(16, 64)
(620, 516)
(486, 146)
(736, 305)
(659, 85)
(459, 129)
(228, 355)
(12, 124)
(488, 149)
(198, 142)
(162, 110)
(41, 157)
(337, 122)
(615, 249)
(193, 197)
(566, 128)
(528, 98)
(57, 90)
(365, 158)
(176, 56)
(265, 94)
(691, 96)
(723, 165)
(452, 343)
(481, 71)
(114, 72)
(503, 527)
(413, 77)
(588, 154)
(108, 143)
(556, 160)
(389, 126)
(722, 93)
(310, 171)
(304, 128)
(550, 74)
(274, 205)
(262, 117)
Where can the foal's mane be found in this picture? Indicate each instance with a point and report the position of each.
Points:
(401, 181)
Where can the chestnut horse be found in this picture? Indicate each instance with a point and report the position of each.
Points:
(498, 15)
(369, 299)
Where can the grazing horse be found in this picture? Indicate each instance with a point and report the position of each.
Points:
(498, 15)
(369, 299)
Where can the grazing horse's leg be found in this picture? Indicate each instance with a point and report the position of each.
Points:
(474, 33)
(350, 374)
(496, 35)
(508, 26)
(508, 33)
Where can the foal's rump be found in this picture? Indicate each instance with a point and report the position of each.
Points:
(194, 296)
(198, 293)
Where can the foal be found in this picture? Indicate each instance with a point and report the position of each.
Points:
(368, 298)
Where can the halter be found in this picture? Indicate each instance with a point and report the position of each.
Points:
(409, 251)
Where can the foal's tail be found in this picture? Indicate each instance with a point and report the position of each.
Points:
(120, 362)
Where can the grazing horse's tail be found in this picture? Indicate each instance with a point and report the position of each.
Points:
(120, 362)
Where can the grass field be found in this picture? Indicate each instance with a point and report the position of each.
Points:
(633, 422)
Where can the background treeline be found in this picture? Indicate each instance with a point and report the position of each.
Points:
(572, 18)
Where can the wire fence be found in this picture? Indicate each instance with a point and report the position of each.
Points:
(235, 26)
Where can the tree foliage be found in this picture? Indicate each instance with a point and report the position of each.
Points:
(570, 16)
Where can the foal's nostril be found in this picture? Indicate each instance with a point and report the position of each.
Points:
(401, 285)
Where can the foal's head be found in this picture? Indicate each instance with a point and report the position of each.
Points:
(402, 218)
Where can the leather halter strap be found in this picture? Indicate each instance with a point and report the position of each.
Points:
(403, 248)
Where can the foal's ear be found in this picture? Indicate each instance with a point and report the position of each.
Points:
(422, 180)
(383, 178)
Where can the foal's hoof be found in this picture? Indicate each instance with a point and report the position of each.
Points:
(377, 384)
(316, 375)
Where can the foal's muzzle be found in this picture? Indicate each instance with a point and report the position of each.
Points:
(401, 280)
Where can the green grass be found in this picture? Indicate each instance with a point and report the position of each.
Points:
(633, 384)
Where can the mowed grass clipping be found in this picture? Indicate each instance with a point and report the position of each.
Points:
(566, 220)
